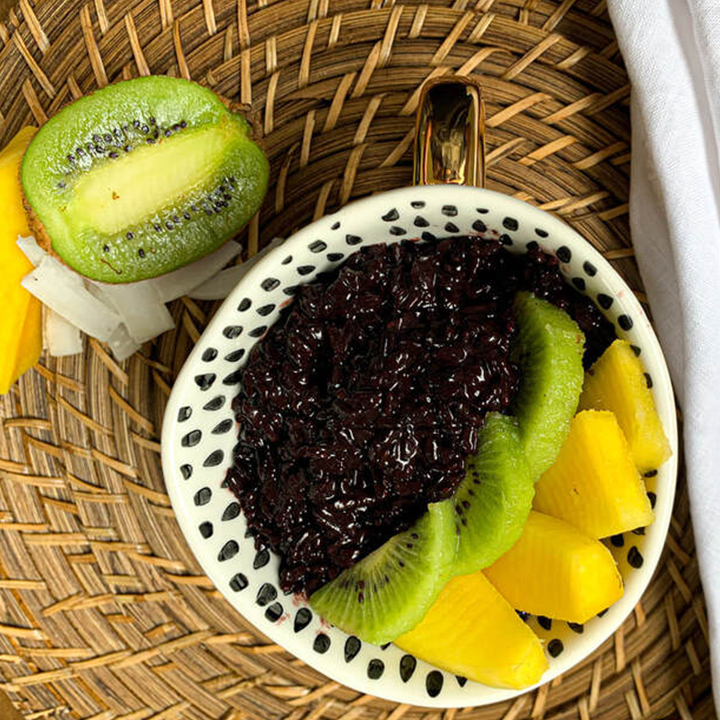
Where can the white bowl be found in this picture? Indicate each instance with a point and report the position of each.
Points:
(200, 431)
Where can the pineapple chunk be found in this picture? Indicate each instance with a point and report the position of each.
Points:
(558, 571)
(594, 483)
(471, 630)
(616, 382)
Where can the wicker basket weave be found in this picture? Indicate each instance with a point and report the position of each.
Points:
(104, 612)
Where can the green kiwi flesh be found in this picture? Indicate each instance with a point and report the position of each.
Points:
(142, 177)
(549, 348)
(494, 500)
(388, 592)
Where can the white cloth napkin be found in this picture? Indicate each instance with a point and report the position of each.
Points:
(672, 52)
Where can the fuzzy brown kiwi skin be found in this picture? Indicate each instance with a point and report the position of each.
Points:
(38, 229)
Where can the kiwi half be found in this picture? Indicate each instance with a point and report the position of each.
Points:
(549, 347)
(142, 177)
(494, 500)
(388, 592)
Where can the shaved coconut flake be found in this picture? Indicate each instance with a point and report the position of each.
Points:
(221, 285)
(142, 310)
(121, 344)
(63, 291)
(60, 337)
(32, 251)
(179, 282)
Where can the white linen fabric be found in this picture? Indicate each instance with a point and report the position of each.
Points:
(672, 52)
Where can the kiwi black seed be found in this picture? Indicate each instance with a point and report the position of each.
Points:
(89, 189)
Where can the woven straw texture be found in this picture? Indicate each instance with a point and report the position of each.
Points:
(103, 611)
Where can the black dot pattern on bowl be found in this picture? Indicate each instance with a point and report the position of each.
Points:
(191, 439)
(541, 233)
(651, 473)
(266, 594)
(186, 471)
(245, 304)
(248, 533)
(238, 582)
(434, 683)
(428, 236)
(291, 290)
(652, 497)
(407, 667)
(375, 669)
(418, 204)
(449, 210)
(215, 404)
(269, 284)
(391, 215)
(636, 350)
(205, 381)
(579, 283)
(214, 458)
(209, 355)
(639, 531)
(229, 550)
(555, 647)
(305, 269)
(510, 223)
(184, 413)
(635, 558)
(625, 322)
(262, 558)
(604, 301)
(461, 681)
(397, 231)
(544, 622)
(353, 239)
(231, 511)
(617, 540)
(222, 427)
(317, 246)
(202, 496)
(505, 239)
(420, 221)
(287, 260)
(234, 378)
(274, 612)
(563, 254)
(522, 615)
(206, 529)
(589, 268)
(532, 245)
(232, 331)
(258, 331)
(603, 612)
(235, 355)
(335, 226)
(335, 257)
(266, 309)
(648, 380)
(352, 648)
(479, 226)
(302, 619)
(451, 228)
(578, 628)
(321, 644)
(482, 211)
(385, 646)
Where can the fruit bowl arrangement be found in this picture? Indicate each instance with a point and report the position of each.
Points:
(600, 510)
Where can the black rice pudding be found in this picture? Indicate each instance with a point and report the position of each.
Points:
(362, 402)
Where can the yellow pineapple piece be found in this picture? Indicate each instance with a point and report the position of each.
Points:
(594, 483)
(558, 571)
(616, 382)
(471, 630)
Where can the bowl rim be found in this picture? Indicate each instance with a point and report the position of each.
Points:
(662, 387)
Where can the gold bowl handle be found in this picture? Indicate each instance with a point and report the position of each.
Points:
(450, 133)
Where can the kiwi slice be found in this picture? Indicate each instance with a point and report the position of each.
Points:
(388, 592)
(142, 177)
(494, 500)
(549, 348)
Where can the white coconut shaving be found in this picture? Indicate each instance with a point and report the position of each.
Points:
(60, 337)
(29, 246)
(121, 344)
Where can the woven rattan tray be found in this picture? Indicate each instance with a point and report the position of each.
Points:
(104, 613)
